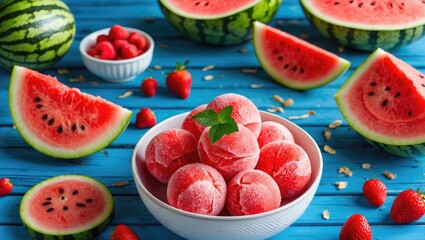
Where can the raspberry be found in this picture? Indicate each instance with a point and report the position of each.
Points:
(125, 49)
(102, 38)
(138, 40)
(104, 50)
(118, 32)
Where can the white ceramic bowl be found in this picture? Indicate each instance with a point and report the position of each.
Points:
(197, 226)
(116, 70)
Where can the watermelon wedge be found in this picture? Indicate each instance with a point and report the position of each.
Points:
(384, 101)
(67, 207)
(368, 24)
(60, 121)
(293, 62)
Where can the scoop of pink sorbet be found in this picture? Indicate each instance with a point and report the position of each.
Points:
(288, 164)
(252, 191)
(231, 154)
(244, 111)
(197, 188)
(273, 131)
(168, 151)
(191, 124)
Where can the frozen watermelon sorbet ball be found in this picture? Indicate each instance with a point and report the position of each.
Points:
(197, 188)
(191, 124)
(168, 151)
(244, 111)
(288, 164)
(252, 191)
(231, 154)
(273, 131)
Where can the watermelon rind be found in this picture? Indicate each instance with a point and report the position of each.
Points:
(85, 232)
(222, 30)
(364, 37)
(98, 143)
(35, 34)
(406, 147)
(258, 39)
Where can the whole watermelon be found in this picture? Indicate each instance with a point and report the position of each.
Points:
(218, 22)
(34, 33)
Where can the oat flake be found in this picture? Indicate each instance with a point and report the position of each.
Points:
(346, 171)
(327, 134)
(126, 94)
(208, 77)
(335, 124)
(390, 175)
(329, 149)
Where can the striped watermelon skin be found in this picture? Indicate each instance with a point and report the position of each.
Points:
(34, 33)
(416, 150)
(229, 30)
(362, 39)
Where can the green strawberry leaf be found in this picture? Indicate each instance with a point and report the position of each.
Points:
(221, 123)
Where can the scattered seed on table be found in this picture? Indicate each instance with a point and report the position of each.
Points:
(256, 85)
(280, 23)
(157, 67)
(288, 102)
(148, 20)
(120, 184)
(208, 77)
(278, 99)
(243, 50)
(126, 94)
(209, 67)
(306, 115)
(276, 109)
(366, 165)
(325, 214)
(346, 171)
(249, 70)
(335, 124)
(304, 36)
(390, 175)
(79, 79)
(327, 134)
(63, 71)
(341, 185)
(341, 49)
(329, 149)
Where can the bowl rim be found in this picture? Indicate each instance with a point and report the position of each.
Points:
(129, 60)
(168, 207)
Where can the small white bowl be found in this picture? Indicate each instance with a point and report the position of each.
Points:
(196, 226)
(116, 70)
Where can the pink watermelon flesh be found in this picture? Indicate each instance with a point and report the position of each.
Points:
(385, 100)
(62, 121)
(370, 12)
(294, 62)
(66, 204)
(208, 8)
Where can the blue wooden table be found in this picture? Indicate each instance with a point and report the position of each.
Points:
(26, 167)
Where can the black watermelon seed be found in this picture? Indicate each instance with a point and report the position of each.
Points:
(65, 208)
(301, 70)
(336, 3)
(351, 1)
(46, 203)
(80, 205)
(280, 58)
(206, 4)
(385, 102)
(387, 88)
(74, 127)
(294, 68)
(391, 5)
(50, 209)
(39, 106)
(360, 5)
(421, 76)
(83, 127)
(37, 99)
(60, 129)
(410, 113)
(75, 192)
(44, 117)
(50, 122)
(372, 3)
(89, 200)
(397, 94)
(63, 198)
(373, 84)
(275, 51)
(371, 93)
(197, 3)
(49, 198)
(286, 66)
(61, 190)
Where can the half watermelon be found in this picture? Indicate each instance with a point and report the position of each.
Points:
(384, 101)
(67, 207)
(293, 62)
(60, 121)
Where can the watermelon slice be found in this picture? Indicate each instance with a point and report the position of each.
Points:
(60, 121)
(368, 24)
(218, 22)
(294, 62)
(67, 207)
(384, 101)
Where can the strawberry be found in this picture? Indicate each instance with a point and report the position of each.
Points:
(355, 228)
(5, 186)
(375, 192)
(180, 81)
(145, 118)
(118, 32)
(149, 86)
(123, 232)
(408, 207)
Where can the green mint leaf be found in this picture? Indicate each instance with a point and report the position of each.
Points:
(216, 132)
(230, 126)
(207, 117)
(225, 114)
